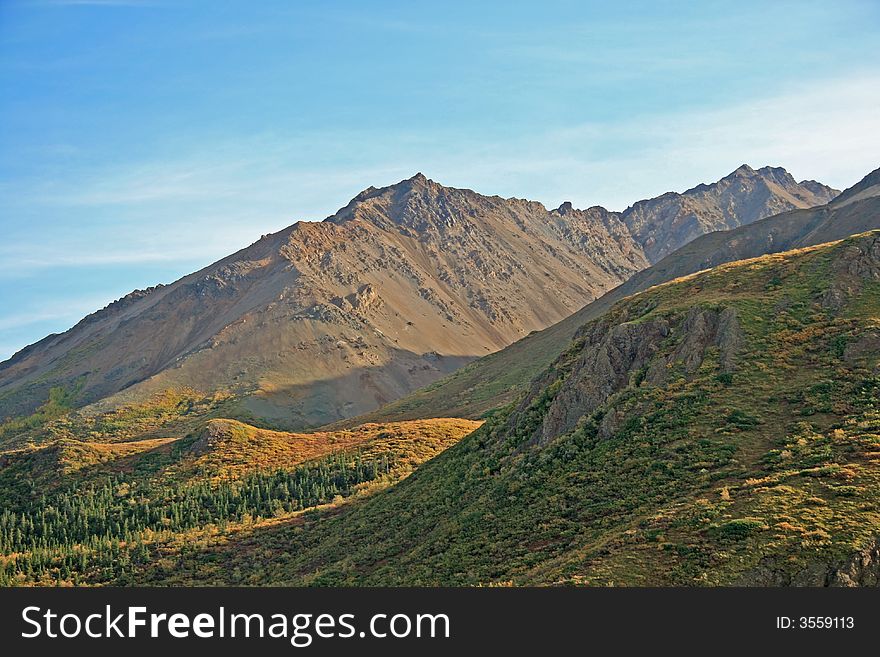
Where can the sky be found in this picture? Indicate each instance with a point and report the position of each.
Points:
(141, 140)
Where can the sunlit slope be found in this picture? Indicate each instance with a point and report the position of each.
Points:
(720, 429)
(95, 501)
(500, 378)
(325, 320)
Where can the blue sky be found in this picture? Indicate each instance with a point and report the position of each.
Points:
(141, 140)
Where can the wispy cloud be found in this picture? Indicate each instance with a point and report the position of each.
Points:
(71, 310)
(826, 130)
(209, 202)
(21, 261)
(195, 244)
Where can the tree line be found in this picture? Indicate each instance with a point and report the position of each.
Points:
(105, 530)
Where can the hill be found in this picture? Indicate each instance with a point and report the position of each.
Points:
(94, 502)
(719, 429)
(649, 411)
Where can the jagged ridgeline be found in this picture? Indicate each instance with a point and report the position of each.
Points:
(720, 429)
(503, 376)
(327, 320)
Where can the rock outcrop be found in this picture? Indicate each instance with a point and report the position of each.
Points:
(610, 354)
(862, 568)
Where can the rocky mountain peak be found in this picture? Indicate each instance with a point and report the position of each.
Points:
(743, 170)
(391, 200)
(419, 180)
(565, 208)
(401, 271)
(663, 224)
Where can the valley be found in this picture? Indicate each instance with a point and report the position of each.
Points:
(317, 409)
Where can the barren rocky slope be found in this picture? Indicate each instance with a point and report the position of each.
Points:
(664, 224)
(327, 320)
(499, 378)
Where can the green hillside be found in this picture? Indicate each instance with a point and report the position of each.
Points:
(95, 500)
(720, 429)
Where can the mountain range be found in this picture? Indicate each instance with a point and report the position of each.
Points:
(709, 417)
(328, 320)
(499, 378)
(720, 429)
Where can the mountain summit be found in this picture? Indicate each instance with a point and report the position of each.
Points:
(663, 224)
(327, 320)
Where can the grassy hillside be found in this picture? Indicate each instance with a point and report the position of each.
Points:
(92, 500)
(723, 428)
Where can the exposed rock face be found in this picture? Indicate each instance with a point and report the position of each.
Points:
(861, 260)
(703, 328)
(365, 298)
(860, 569)
(632, 346)
(789, 230)
(401, 271)
(609, 356)
(639, 458)
(857, 264)
(666, 223)
(213, 433)
(610, 353)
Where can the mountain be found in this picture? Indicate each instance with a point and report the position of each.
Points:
(499, 378)
(662, 225)
(328, 320)
(719, 429)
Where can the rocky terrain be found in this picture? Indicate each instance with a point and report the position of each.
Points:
(327, 320)
(499, 378)
(693, 426)
(666, 223)
(719, 429)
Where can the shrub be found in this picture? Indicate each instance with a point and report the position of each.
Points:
(739, 528)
